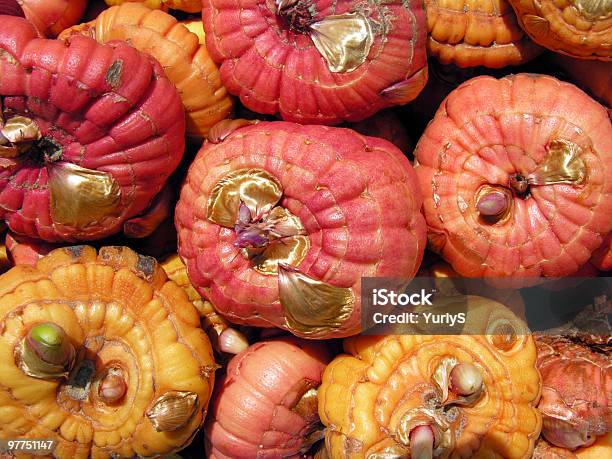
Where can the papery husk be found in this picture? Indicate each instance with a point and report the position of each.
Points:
(256, 188)
(82, 197)
(311, 306)
(173, 410)
(344, 40)
(19, 129)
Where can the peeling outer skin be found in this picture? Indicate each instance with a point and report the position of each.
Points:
(470, 34)
(356, 197)
(50, 17)
(380, 380)
(595, 77)
(120, 311)
(255, 410)
(565, 27)
(488, 130)
(131, 128)
(186, 62)
(276, 71)
(26, 251)
(576, 392)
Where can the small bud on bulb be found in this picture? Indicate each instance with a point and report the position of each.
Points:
(422, 442)
(112, 388)
(466, 379)
(493, 204)
(46, 352)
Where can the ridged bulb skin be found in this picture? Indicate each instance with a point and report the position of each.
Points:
(125, 319)
(577, 28)
(477, 33)
(276, 67)
(384, 383)
(50, 17)
(266, 404)
(112, 131)
(186, 63)
(114, 121)
(543, 144)
(214, 324)
(576, 401)
(356, 199)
